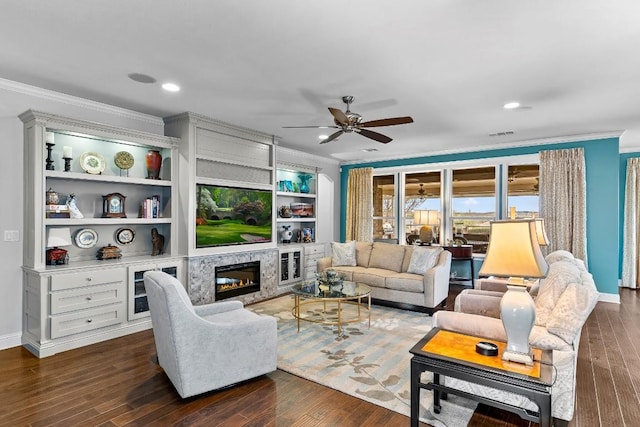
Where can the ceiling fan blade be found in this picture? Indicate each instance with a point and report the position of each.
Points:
(332, 137)
(387, 122)
(340, 117)
(310, 127)
(374, 135)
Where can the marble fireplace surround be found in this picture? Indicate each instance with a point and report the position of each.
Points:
(202, 271)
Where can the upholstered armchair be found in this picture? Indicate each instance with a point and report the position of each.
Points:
(564, 300)
(203, 348)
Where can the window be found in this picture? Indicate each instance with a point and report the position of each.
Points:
(422, 193)
(473, 201)
(522, 191)
(384, 211)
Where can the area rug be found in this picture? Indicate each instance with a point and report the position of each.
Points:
(372, 364)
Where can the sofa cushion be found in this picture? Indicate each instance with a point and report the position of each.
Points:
(387, 256)
(423, 259)
(372, 276)
(363, 253)
(560, 275)
(405, 282)
(343, 253)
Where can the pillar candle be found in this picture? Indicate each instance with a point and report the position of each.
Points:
(48, 137)
(66, 152)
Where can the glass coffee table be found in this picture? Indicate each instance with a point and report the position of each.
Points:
(350, 293)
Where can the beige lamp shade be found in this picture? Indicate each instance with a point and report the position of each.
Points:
(425, 217)
(58, 237)
(541, 234)
(514, 250)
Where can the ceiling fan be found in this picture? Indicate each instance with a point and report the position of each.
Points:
(349, 121)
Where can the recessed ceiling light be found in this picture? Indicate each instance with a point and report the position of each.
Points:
(171, 87)
(141, 78)
(369, 150)
(321, 137)
(511, 105)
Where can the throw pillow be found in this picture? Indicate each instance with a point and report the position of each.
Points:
(560, 275)
(423, 259)
(571, 311)
(343, 253)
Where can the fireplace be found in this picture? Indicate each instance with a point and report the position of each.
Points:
(237, 279)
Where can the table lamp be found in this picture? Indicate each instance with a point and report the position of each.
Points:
(514, 252)
(427, 219)
(543, 240)
(58, 237)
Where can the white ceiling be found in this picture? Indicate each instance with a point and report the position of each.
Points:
(450, 64)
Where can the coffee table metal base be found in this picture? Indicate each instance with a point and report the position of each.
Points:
(325, 320)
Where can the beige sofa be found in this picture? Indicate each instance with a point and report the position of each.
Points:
(564, 300)
(385, 268)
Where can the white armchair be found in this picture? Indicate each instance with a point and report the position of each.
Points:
(203, 348)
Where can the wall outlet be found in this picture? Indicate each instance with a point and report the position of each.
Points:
(11, 235)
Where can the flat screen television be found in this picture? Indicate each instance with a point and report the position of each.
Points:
(232, 216)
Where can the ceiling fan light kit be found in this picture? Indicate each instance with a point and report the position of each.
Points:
(349, 121)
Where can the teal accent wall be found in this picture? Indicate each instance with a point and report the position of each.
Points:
(603, 170)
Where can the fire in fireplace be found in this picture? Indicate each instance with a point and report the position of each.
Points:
(237, 279)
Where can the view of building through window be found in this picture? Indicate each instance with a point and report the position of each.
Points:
(473, 206)
(384, 201)
(422, 193)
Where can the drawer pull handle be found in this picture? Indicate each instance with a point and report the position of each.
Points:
(88, 298)
(89, 320)
(88, 279)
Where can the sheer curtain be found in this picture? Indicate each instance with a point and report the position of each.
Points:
(630, 258)
(563, 200)
(360, 205)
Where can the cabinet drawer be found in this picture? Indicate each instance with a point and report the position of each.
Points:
(86, 278)
(87, 297)
(314, 249)
(85, 320)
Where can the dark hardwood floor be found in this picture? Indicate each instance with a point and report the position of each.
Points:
(118, 383)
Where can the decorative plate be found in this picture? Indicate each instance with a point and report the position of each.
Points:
(125, 235)
(92, 163)
(86, 238)
(123, 160)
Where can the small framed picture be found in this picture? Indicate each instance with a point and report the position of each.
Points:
(307, 235)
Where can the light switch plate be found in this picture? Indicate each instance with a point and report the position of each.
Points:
(11, 235)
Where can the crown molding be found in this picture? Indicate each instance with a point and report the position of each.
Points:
(515, 144)
(75, 101)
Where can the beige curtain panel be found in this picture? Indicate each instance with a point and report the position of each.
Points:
(563, 200)
(631, 238)
(360, 205)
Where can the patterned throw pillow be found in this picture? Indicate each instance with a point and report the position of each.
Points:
(423, 259)
(343, 253)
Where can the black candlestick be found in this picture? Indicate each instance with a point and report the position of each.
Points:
(50, 166)
(67, 163)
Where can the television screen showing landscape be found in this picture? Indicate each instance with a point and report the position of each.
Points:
(232, 216)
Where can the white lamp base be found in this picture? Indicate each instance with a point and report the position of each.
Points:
(518, 313)
(512, 356)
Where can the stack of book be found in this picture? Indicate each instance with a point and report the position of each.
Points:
(150, 207)
(57, 211)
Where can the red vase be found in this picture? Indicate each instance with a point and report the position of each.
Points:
(154, 161)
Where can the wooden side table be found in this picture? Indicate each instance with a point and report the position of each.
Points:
(453, 354)
(462, 253)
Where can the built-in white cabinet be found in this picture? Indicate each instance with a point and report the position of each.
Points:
(122, 183)
(138, 305)
(297, 203)
(291, 265)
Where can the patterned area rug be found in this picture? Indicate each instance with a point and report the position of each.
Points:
(372, 364)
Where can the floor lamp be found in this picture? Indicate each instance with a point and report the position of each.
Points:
(514, 252)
